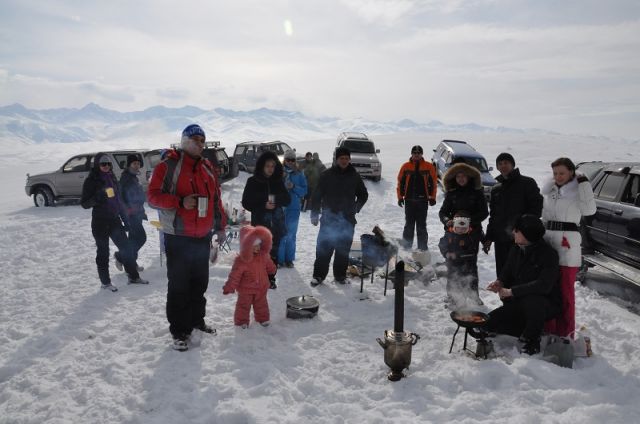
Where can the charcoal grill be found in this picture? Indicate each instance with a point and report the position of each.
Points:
(471, 321)
(377, 251)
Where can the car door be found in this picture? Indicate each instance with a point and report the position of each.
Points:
(606, 193)
(70, 178)
(624, 225)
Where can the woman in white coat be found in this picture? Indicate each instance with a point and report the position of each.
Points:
(567, 198)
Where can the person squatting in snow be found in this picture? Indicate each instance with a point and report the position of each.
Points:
(249, 276)
(265, 196)
(184, 188)
(528, 286)
(567, 198)
(296, 184)
(101, 192)
(133, 197)
(459, 246)
(340, 194)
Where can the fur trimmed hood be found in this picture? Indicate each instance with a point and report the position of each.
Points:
(248, 235)
(449, 179)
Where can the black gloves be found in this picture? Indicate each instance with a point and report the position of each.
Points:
(401, 203)
(432, 202)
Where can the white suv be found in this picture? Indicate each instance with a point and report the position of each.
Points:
(363, 154)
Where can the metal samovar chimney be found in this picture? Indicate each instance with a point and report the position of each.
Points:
(397, 343)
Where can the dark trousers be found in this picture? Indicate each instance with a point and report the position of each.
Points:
(335, 235)
(188, 275)
(523, 316)
(137, 235)
(415, 215)
(501, 252)
(102, 231)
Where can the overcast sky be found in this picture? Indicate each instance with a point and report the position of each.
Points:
(571, 66)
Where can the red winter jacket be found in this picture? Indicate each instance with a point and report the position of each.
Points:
(250, 273)
(190, 176)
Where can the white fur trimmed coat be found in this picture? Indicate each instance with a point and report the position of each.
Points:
(568, 203)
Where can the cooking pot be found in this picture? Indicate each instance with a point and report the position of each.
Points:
(469, 319)
(302, 307)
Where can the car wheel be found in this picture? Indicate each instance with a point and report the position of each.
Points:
(43, 197)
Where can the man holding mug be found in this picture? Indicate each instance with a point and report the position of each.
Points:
(185, 189)
(100, 191)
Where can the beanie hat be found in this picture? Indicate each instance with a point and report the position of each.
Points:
(290, 154)
(191, 130)
(342, 151)
(104, 158)
(416, 149)
(133, 158)
(531, 227)
(506, 156)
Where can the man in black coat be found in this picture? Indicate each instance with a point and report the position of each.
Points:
(528, 286)
(513, 196)
(133, 198)
(101, 192)
(340, 194)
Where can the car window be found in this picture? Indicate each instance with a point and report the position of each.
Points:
(285, 147)
(121, 159)
(479, 163)
(221, 155)
(153, 159)
(632, 190)
(76, 164)
(240, 150)
(609, 186)
(445, 156)
(359, 146)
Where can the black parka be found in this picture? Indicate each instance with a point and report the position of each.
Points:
(94, 195)
(469, 198)
(340, 191)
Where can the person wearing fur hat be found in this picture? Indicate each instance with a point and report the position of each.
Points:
(296, 185)
(133, 198)
(184, 188)
(567, 198)
(101, 192)
(416, 191)
(514, 195)
(460, 249)
(265, 196)
(249, 276)
(528, 286)
(340, 194)
(462, 184)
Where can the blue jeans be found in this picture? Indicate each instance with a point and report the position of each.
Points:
(287, 248)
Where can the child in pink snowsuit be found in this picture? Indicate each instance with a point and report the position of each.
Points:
(249, 276)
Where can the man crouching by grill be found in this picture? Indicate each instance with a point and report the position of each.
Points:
(527, 285)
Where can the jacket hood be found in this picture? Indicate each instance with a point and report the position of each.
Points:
(449, 179)
(96, 161)
(248, 235)
(264, 157)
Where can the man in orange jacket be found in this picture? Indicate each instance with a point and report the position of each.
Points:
(417, 189)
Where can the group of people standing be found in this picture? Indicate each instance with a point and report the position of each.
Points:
(534, 233)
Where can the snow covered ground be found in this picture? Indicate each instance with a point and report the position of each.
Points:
(70, 352)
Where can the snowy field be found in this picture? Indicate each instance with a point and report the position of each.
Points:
(71, 352)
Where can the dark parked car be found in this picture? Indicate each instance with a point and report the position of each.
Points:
(246, 154)
(449, 152)
(614, 230)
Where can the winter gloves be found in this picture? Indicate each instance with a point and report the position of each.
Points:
(315, 218)
(432, 202)
(401, 203)
(226, 290)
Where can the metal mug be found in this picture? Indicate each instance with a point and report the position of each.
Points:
(110, 192)
(203, 205)
(272, 198)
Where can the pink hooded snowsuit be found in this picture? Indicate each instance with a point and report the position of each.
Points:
(249, 275)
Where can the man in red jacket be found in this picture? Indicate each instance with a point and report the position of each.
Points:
(416, 190)
(185, 188)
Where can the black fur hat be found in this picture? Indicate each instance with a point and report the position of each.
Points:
(531, 227)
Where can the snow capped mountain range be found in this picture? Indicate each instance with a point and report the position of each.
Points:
(95, 123)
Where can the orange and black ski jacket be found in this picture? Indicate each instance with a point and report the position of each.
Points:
(426, 171)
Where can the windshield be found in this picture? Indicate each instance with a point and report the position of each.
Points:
(358, 146)
(479, 163)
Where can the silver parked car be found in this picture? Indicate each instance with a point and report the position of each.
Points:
(364, 156)
(66, 182)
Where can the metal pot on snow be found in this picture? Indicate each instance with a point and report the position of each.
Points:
(302, 307)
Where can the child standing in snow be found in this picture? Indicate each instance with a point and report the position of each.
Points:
(249, 276)
(459, 246)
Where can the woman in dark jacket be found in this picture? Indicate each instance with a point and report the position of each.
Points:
(101, 192)
(265, 196)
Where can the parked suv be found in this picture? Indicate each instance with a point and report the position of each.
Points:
(246, 154)
(66, 182)
(363, 154)
(614, 230)
(449, 151)
(226, 167)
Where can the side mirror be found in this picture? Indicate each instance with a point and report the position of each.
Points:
(434, 150)
(377, 150)
(491, 168)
